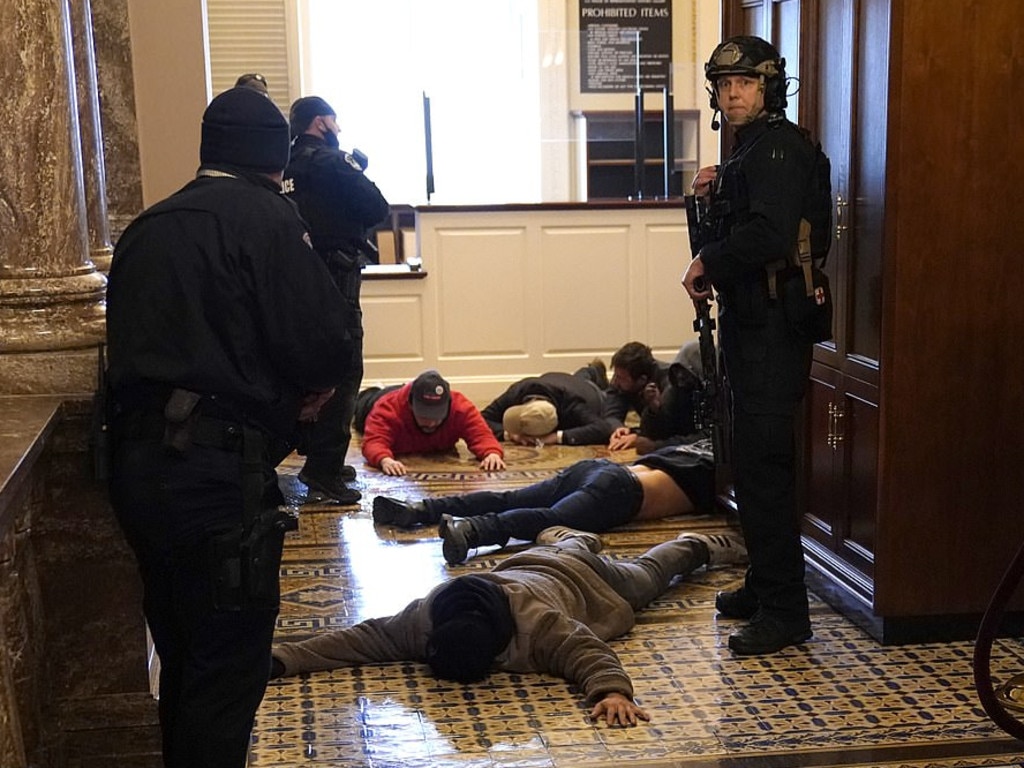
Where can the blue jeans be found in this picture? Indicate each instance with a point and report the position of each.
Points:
(591, 495)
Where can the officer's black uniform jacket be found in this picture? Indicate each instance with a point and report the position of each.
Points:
(755, 215)
(579, 404)
(334, 196)
(217, 290)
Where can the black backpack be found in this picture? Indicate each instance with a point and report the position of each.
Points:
(817, 207)
(806, 295)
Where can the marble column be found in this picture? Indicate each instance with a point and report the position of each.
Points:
(100, 249)
(51, 295)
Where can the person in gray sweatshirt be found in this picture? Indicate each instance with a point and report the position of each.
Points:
(549, 609)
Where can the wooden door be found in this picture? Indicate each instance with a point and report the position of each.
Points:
(838, 49)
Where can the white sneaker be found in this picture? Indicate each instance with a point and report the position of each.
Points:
(558, 533)
(723, 549)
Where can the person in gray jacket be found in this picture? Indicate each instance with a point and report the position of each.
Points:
(550, 609)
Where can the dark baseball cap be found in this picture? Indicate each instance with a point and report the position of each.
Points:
(430, 396)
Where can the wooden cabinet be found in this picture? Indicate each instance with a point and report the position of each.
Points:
(913, 431)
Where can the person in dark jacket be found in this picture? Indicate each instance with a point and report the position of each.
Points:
(340, 204)
(756, 203)
(671, 415)
(593, 495)
(223, 332)
(637, 379)
(551, 609)
(554, 408)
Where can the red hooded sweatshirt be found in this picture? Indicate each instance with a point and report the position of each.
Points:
(391, 429)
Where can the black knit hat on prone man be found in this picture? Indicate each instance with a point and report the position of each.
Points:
(471, 623)
(304, 110)
(243, 128)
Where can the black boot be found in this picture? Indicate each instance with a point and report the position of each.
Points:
(737, 603)
(769, 634)
(461, 534)
(402, 514)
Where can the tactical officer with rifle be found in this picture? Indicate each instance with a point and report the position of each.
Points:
(224, 330)
(754, 205)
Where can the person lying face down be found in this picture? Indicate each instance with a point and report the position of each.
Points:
(593, 495)
(549, 609)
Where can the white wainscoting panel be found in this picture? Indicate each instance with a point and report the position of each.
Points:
(514, 292)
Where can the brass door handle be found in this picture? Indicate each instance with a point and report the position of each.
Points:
(835, 425)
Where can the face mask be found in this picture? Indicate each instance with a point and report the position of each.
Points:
(331, 140)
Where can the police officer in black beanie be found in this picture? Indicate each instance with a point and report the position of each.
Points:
(340, 204)
(223, 334)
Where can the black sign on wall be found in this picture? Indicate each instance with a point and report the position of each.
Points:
(610, 33)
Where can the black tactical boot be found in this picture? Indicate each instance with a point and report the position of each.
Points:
(737, 603)
(402, 514)
(768, 634)
(328, 486)
(461, 534)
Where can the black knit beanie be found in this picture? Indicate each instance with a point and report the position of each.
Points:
(304, 110)
(242, 127)
(471, 623)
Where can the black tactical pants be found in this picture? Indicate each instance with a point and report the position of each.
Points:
(768, 370)
(181, 514)
(325, 442)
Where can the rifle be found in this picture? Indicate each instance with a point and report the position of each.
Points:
(711, 410)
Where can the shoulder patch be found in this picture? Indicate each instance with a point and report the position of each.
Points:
(352, 161)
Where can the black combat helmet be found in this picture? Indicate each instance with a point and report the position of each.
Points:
(754, 57)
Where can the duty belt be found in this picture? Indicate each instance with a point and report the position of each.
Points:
(205, 431)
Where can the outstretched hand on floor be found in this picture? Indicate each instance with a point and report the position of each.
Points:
(617, 709)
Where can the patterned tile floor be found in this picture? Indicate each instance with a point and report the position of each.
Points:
(839, 700)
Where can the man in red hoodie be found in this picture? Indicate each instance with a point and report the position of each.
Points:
(425, 416)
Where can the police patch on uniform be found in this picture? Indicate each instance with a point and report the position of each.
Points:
(352, 161)
(819, 295)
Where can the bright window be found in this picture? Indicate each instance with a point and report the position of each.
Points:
(477, 61)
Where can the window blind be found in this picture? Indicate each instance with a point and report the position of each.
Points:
(249, 36)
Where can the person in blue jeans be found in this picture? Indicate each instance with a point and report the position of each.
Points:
(592, 495)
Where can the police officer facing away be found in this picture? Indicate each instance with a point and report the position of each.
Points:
(224, 330)
(340, 204)
(755, 209)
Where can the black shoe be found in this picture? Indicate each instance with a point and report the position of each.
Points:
(458, 537)
(330, 486)
(767, 634)
(736, 604)
(402, 514)
(347, 473)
